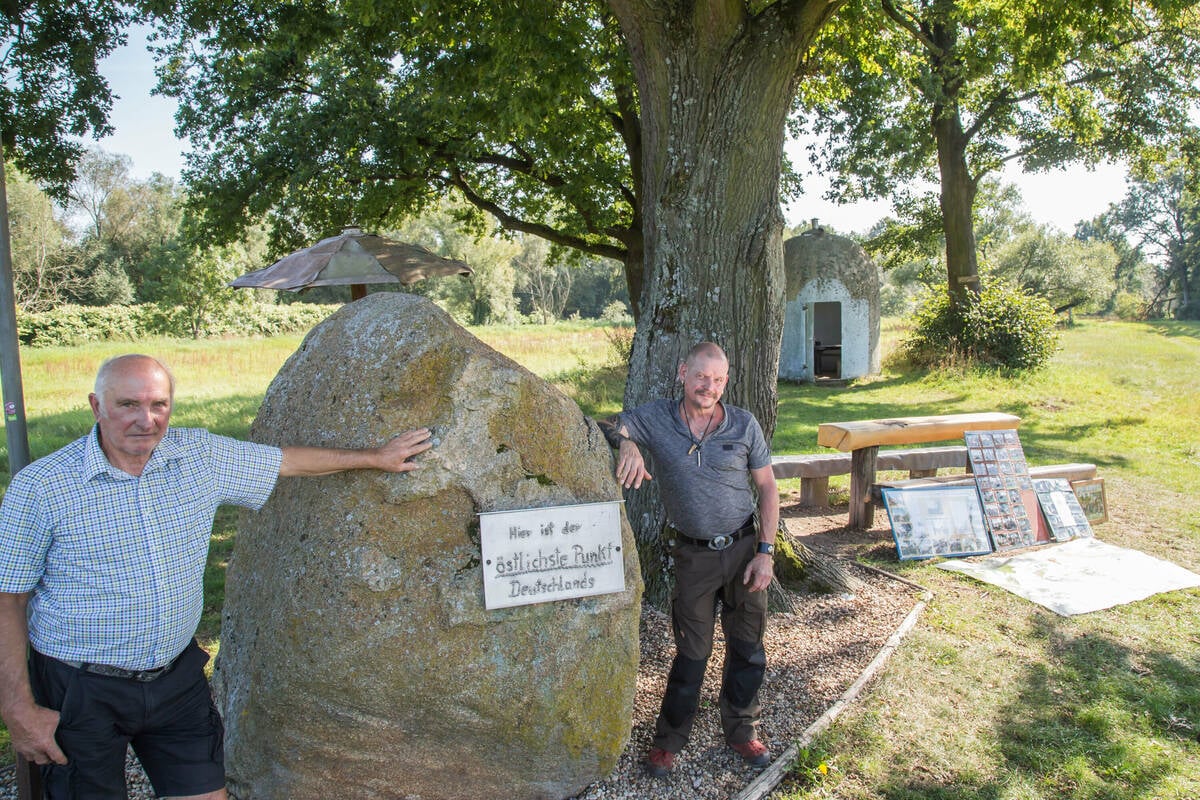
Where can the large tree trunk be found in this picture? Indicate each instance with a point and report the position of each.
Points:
(958, 186)
(957, 202)
(715, 87)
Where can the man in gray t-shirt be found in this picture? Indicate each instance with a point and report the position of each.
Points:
(714, 468)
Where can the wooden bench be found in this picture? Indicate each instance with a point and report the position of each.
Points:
(862, 439)
(815, 469)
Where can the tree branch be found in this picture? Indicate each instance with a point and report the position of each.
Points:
(544, 231)
(912, 25)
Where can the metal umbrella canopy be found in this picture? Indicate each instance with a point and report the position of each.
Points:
(351, 258)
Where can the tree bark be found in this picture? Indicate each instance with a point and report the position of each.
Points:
(958, 188)
(715, 86)
(957, 200)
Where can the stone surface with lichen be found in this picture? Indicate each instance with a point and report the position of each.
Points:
(356, 651)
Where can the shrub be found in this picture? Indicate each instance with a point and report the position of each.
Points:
(1129, 306)
(616, 313)
(72, 325)
(1189, 311)
(1001, 327)
(620, 343)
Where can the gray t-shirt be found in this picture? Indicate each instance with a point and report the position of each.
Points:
(714, 494)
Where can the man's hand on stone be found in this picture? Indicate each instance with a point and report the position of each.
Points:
(631, 467)
(759, 572)
(394, 456)
(31, 730)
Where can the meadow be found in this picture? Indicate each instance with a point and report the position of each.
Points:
(990, 697)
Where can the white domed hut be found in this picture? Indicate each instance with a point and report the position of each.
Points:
(831, 311)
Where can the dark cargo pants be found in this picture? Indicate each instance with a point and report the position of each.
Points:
(702, 577)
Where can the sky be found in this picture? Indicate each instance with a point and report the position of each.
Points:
(144, 124)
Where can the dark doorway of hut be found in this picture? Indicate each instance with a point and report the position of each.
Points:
(827, 341)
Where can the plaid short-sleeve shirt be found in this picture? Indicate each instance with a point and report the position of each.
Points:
(116, 562)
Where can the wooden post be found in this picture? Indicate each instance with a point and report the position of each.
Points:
(814, 492)
(862, 478)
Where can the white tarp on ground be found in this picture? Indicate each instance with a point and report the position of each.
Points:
(1078, 576)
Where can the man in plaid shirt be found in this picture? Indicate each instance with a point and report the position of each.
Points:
(102, 552)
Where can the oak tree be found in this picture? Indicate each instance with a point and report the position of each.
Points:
(51, 90)
(650, 131)
(946, 92)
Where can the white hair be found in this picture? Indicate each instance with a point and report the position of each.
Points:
(105, 373)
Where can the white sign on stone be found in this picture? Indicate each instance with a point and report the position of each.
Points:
(536, 555)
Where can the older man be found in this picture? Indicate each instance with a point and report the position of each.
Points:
(102, 552)
(715, 469)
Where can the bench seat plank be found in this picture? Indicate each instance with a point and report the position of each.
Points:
(848, 436)
(823, 465)
(1072, 472)
(922, 458)
(815, 469)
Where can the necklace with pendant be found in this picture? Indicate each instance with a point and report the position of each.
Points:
(697, 444)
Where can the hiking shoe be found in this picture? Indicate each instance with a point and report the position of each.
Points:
(754, 751)
(659, 762)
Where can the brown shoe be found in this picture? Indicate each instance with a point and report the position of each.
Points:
(659, 762)
(754, 751)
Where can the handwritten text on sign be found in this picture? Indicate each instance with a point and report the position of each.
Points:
(536, 555)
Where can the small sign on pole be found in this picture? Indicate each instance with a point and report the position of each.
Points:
(536, 555)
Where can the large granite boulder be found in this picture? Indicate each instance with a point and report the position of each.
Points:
(357, 659)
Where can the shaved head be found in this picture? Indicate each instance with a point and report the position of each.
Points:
(706, 350)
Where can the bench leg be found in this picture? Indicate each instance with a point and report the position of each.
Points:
(862, 478)
(814, 492)
(922, 473)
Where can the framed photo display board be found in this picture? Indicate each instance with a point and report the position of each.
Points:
(933, 521)
(1090, 494)
(1063, 512)
(1005, 489)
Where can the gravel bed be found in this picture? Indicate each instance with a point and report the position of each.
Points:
(813, 656)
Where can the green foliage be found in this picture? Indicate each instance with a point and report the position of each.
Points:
(1071, 275)
(912, 93)
(373, 110)
(1161, 212)
(106, 283)
(71, 325)
(617, 313)
(1133, 276)
(45, 266)
(1129, 306)
(486, 296)
(812, 767)
(620, 342)
(51, 91)
(1001, 327)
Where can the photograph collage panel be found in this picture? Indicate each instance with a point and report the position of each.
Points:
(1002, 477)
(936, 521)
(1061, 508)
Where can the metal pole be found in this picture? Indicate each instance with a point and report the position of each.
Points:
(29, 777)
(10, 356)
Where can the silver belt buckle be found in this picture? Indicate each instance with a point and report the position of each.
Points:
(720, 542)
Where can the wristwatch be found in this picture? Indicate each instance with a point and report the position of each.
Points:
(766, 548)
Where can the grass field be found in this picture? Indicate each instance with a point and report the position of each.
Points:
(990, 697)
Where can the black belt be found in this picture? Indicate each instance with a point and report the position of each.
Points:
(140, 675)
(720, 542)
